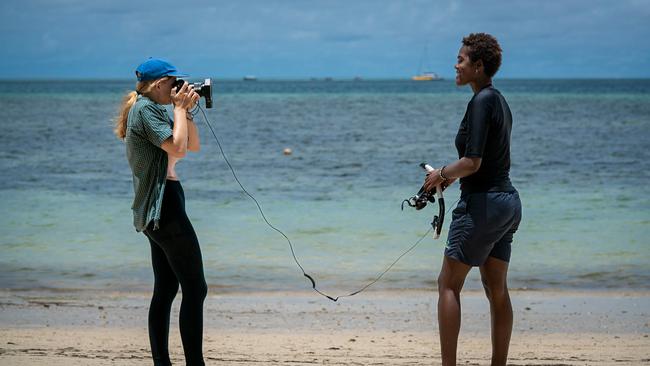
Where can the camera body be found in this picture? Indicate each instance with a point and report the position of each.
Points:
(203, 89)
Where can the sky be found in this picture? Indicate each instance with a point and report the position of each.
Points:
(86, 39)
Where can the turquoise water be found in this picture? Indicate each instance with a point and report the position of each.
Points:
(580, 162)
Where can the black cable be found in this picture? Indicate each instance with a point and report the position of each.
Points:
(293, 253)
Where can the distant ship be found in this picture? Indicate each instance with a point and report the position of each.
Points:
(250, 78)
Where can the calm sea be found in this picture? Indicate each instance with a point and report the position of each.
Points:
(581, 161)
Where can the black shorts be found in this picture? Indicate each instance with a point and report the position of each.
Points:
(482, 226)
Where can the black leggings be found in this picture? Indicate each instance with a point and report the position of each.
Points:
(176, 258)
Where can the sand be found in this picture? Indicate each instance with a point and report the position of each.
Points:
(376, 328)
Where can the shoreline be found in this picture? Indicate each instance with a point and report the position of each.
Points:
(306, 290)
(302, 328)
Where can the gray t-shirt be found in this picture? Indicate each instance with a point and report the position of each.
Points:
(148, 125)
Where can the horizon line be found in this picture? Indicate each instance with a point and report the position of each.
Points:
(312, 78)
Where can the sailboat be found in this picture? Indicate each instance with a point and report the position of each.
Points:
(425, 75)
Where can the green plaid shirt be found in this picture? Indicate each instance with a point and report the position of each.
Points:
(148, 125)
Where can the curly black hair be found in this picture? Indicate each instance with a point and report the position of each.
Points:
(483, 46)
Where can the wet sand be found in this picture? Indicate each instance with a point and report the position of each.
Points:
(375, 328)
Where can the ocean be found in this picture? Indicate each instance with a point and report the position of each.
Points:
(580, 161)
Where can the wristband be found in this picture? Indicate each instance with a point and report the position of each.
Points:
(441, 175)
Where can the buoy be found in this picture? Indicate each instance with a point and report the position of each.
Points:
(287, 151)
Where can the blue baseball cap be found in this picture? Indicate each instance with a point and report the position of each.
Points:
(155, 68)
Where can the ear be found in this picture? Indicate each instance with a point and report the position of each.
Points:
(479, 65)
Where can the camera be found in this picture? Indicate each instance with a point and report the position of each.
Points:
(203, 89)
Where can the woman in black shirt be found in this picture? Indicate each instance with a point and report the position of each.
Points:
(489, 209)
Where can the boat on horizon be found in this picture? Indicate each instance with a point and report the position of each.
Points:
(426, 76)
(250, 78)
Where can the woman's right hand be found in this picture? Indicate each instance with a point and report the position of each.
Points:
(185, 98)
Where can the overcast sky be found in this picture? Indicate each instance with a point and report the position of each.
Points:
(301, 39)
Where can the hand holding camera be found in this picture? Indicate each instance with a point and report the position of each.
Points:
(203, 89)
(184, 96)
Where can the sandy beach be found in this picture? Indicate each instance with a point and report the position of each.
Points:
(375, 328)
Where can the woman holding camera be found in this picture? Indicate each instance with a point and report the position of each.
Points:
(489, 209)
(154, 143)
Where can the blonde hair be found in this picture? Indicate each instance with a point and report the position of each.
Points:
(142, 87)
